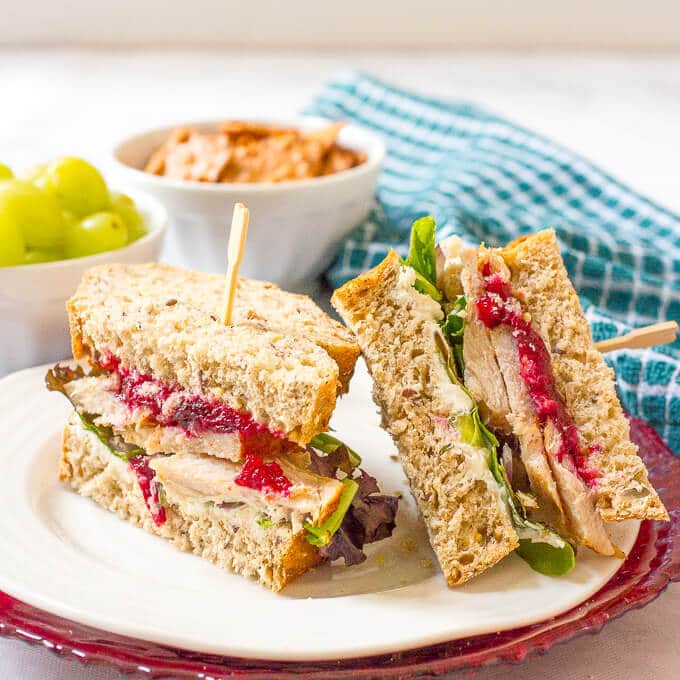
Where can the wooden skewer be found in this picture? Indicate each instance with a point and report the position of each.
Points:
(647, 336)
(237, 242)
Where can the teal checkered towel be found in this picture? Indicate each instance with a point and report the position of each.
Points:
(485, 178)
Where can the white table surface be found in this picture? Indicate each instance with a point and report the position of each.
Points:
(623, 112)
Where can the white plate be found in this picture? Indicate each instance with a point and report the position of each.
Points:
(62, 553)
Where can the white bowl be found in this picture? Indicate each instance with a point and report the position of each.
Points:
(33, 323)
(295, 226)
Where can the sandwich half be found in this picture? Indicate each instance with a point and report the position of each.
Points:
(214, 436)
(504, 413)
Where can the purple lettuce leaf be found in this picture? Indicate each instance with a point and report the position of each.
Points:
(370, 517)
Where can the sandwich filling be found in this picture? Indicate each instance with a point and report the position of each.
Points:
(539, 543)
(173, 406)
(531, 416)
(498, 306)
(159, 418)
(320, 490)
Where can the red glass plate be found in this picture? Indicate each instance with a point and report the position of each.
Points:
(653, 562)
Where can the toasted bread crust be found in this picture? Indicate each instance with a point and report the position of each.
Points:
(469, 526)
(283, 360)
(583, 378)
(274, 557)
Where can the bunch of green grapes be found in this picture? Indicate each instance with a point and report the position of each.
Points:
(62, 209)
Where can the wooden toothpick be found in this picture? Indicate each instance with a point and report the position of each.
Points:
(237, 242)
(647, 336)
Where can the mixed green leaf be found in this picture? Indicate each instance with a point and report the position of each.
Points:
(421, 256)
(543, 549)
(115, 443)
(265, 521)
(56, 380)
(329, 444)
(321, 535)
(453, 328)
(363, 515)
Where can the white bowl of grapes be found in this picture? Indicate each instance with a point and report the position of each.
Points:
(57, 220)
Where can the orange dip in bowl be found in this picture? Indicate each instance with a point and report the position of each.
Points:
(252, 152)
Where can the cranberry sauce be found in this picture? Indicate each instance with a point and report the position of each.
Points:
(497, 306)
(173, 406)
(264, 477)
(149, 487)
(587, 472)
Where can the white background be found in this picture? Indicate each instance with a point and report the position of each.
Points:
(350, 24)
(621, 111)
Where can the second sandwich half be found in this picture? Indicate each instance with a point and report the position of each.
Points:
(504, 413)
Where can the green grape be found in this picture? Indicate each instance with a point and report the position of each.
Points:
(35, 212)
(5, 172)
(95, 234)
(125, 207)
(12, 248)
(35, 174)
(69, 219)
(36, 256)
(77, 186)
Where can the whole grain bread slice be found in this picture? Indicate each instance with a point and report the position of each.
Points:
(296, 316)
(583, 378)
(282, 360)
(232, 539)
(462, 505)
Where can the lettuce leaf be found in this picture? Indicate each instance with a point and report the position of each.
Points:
(321, 535)
(453, 328)
(474, 432)
(546, 558)
(343, 546)
(56, 380)
(113, 442)
(59, 376)
(363, 515)
(328, 444)
(369, 518)
(450, 363)
(543, 549)
(421, 256)
(265, 521)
